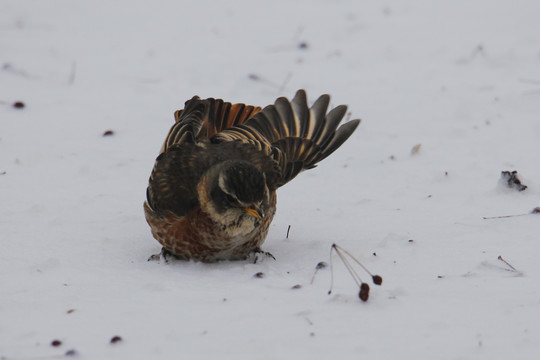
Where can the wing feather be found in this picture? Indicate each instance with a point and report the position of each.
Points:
(202, 119)
(298, 137)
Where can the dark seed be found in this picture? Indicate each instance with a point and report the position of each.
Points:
(321, 265)
(18, 105)
(364, 292)
(108, 133)
(116, 339)
(259, 275)
(377, 279)
(70, 311)
(56, 343)
(303, 45)
(297, 286)
(71, 352)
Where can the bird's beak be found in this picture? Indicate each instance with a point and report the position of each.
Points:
(254, 211)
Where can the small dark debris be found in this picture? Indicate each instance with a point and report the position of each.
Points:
(411, 240)
(56, 343)
(288, 229)
(312, 334)
(259, 275)
(3, 173)
(18, 105)
(512, 180)
(374, 254)
(70, 311)
(108, 133)
(303, 45)
(321, 265)
(297, 286)
(115, 339)
(254, 77)
(71, 352)
(439, 276)
(536, 210)
(416, 149)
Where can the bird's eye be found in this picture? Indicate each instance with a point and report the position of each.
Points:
(231, 199)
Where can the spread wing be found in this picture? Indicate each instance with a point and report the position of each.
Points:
(295, 136)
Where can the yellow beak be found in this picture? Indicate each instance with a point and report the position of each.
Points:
(255, 212)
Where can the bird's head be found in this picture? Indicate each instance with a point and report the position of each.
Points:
(237, 196)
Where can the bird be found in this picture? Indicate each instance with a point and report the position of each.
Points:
(211, 195)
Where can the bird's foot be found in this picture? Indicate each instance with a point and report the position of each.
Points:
(165, 254)
(258, 254)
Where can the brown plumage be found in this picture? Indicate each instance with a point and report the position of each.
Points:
(212, 192)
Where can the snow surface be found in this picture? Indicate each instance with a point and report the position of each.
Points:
(460, 78)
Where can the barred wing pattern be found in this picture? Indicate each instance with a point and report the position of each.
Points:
(202, 119)
(296, 136)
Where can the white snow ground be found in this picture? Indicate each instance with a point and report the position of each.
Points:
(461, 78)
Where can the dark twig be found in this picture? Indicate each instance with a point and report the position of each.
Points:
(536, 210)
(508, 264)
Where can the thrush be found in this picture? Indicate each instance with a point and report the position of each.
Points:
(212, 192)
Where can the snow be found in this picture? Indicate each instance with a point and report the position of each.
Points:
(459, 78)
